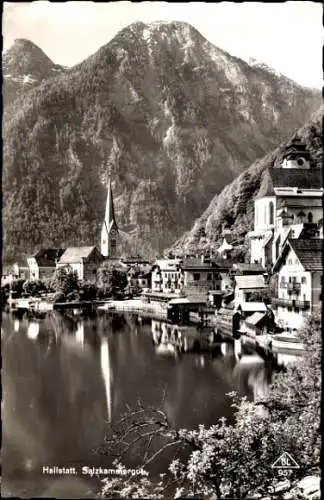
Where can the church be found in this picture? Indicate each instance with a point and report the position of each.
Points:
(109, 232)
(289, 205)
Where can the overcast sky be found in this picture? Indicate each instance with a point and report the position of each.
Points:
(286, 36)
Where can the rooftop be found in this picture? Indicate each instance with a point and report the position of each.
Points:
(167, 264)
(196, 263)
(253, 307)
(250, 282)
(75, 254)
(248, 267)
(297, 177)
(309, 252)
(255, 318)
(47, 257)
(278, 177)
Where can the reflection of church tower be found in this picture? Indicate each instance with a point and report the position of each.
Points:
(106, 373)
(109, 232)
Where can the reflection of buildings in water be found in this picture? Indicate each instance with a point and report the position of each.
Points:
(237, 349)
(156, 331)
(284, 359)
(168, 338)
(33, 330)
(224, 348)
(79, 334)
(16, 325)
(258, 382)
(106, 373)
(252, 371)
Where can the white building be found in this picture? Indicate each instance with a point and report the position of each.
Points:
(83, 260)
(300, 281)
(166, 276)
(246, 287)
(290, 197)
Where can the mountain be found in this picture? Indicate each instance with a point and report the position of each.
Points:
(25, 66)
(232, 210)
(175, 117)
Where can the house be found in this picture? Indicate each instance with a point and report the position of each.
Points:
(300, 281)
(200, 275)
(290, 196)
(256, 324)
(249, 308)
(247, 286)
(83, 260)
(20, 270)
(166, 276)
(42, 264)
(139, 276)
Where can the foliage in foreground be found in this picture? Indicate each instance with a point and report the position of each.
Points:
(231, 461)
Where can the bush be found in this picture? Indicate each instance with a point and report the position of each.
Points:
(235, 460)
(65, 281)
(17, 287)
(59, 297)
(73, 296)
(88, 291)
(34, 287)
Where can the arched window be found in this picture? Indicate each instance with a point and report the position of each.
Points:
(271, 212)
(310, 217)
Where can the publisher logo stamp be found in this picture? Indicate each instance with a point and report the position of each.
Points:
(284, 464)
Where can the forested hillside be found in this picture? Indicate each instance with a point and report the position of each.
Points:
(174, 116)
(233, 208)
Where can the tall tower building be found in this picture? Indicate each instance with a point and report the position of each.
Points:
(109, 231)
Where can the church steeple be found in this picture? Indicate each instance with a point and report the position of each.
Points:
(109, 232)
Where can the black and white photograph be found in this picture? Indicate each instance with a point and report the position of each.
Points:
(162, 250)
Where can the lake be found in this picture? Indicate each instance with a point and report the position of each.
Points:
(65, 377)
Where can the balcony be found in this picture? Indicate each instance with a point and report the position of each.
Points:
(301, 304)
(293, 288)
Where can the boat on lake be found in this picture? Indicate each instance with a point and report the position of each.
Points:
(286, 342)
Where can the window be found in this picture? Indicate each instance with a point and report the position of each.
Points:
(303, 280)
(271, 210)
(209, 277)
(196, 276)
(310, 217)
(289, 262)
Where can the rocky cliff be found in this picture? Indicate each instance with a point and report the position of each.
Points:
(175, 117)
(24, 67)
(233, 209)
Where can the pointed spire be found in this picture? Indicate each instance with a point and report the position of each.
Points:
(110, 227)
(110, 210)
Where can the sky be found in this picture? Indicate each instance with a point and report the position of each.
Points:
(286, 36)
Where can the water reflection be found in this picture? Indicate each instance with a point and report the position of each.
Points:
(33, 330)
(66, 376)
(106, 373)
(16, 325)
